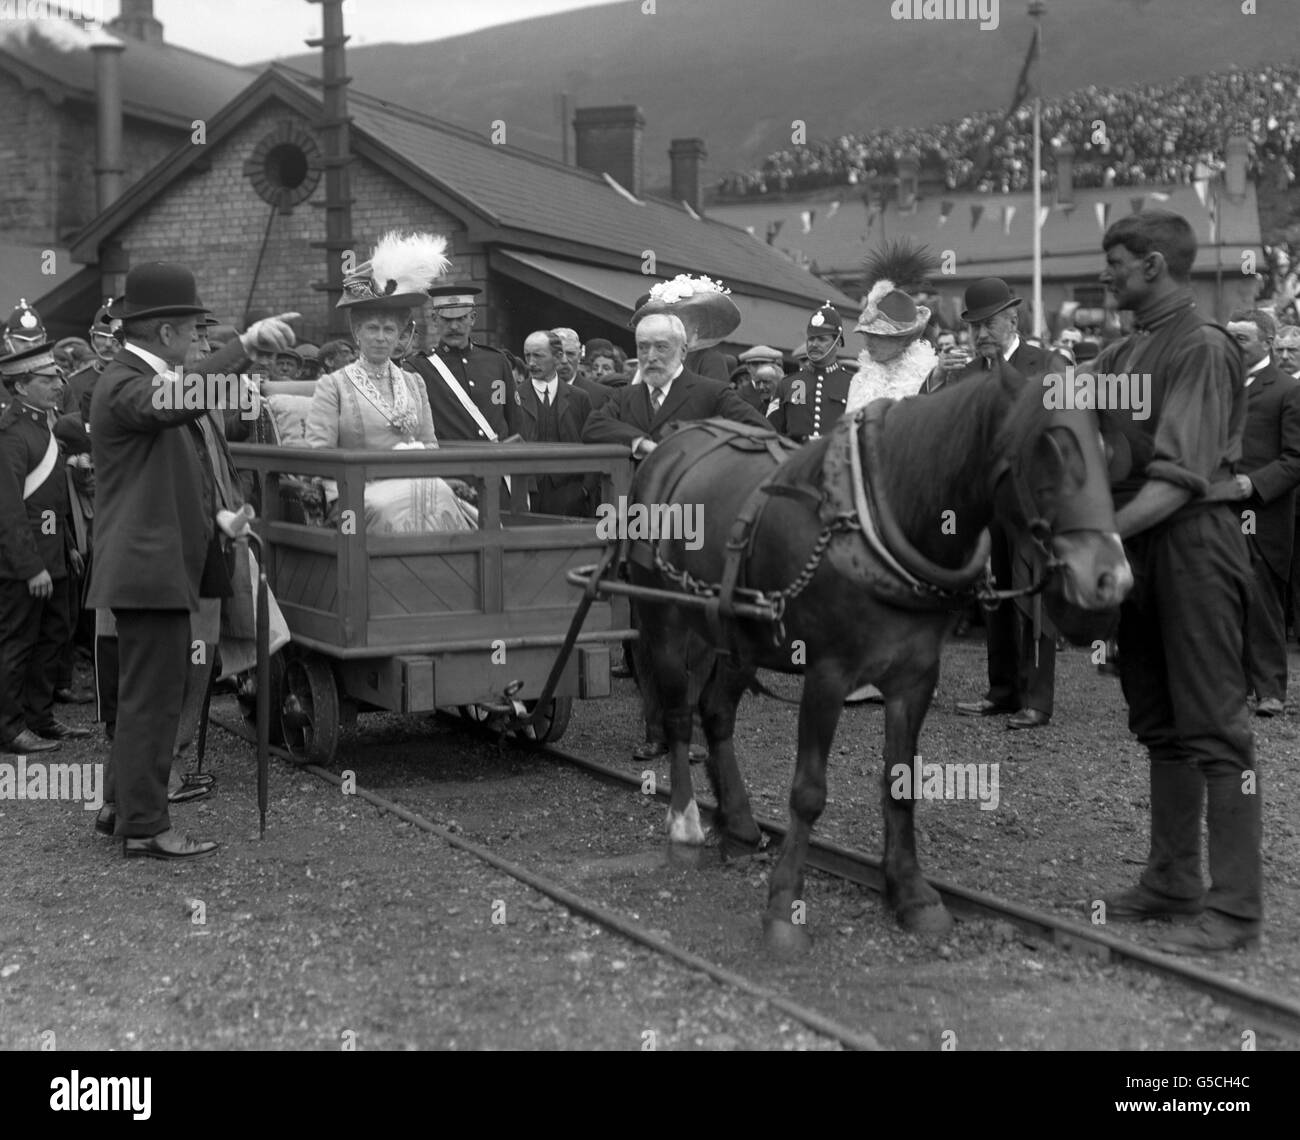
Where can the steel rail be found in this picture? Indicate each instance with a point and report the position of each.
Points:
(1268, 1010)
(603, 916)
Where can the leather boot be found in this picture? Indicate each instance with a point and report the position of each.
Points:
(1177, 802)
(1234, 826)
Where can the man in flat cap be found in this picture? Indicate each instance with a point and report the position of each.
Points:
(35, 549)
(471, 386)
(807, 404)
(757, 376)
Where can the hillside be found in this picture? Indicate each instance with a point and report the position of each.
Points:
(737, 72)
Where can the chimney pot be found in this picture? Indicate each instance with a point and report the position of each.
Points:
(608, 141)
(110, 170)
(136, 19)
(1065, 174)
(685, 157)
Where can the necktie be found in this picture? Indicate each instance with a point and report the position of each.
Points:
(656, 400)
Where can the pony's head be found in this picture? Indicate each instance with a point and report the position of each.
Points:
(1051, 488)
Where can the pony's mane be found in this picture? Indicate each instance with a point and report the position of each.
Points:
(939, 451)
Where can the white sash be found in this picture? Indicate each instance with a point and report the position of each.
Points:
(466, 403)
(42, 472)
(462, 396)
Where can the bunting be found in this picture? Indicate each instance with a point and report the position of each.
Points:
(1043, 212)
(1103, 214)
(946, 207)
(807, 217)
(1159, 195)
(833, 209)
(1201, 186)
(774, 228)
(976, 212)
(1008, 212)
(1213, 209)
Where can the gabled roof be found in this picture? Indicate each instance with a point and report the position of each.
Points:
(977, 232)
(162, 83)
(504, 195)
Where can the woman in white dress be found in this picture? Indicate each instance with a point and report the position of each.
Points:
(373, 404)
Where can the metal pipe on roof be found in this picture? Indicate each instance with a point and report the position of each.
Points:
(110, 169)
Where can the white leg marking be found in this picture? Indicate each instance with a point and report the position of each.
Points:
(684, 827)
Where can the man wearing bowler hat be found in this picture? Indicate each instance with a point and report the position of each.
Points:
(471, 387)
(156, 545)
(1021, 642)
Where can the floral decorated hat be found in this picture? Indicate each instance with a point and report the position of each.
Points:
(891, 312)
(705, 307)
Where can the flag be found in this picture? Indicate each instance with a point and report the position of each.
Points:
(1024, 84)
(946, 207)
(774, 228)
(1213, 207)
(1103, 214)
(808, 217)
(1159, 196)
(1043, 211)
(1008, 212)
(1201, 185)
(872, 213)
(976, 212)
(833, 209)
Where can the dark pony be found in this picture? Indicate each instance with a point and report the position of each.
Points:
(847, 612)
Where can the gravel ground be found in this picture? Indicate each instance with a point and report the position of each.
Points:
(347, 921)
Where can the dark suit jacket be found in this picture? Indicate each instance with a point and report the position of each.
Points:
(573, 495)
(154, 506)
(1031, 362)
(597, 392)
(1270, 455)
(626, 418)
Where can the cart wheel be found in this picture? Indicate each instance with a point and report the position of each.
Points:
(247, 698)
(552, 725)
(310, 710)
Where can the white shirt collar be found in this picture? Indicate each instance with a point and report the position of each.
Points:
(668, 387)
(1015, 344)
(1255, 369)
(547, 388)
(157, 363)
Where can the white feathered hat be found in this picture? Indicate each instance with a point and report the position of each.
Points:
(402, 267)
(891, 312)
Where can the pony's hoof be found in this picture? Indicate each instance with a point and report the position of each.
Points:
(931, 919)
(785, 939)
(733, 848)
(684, 826)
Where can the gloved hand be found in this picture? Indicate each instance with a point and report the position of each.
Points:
(235, 523)
(271, 334)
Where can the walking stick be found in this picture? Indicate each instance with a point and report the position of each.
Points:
(263, 684)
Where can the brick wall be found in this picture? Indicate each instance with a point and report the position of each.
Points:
(215, 222)
(47, 162)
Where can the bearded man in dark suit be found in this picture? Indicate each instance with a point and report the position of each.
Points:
(1266, 480)
(642, 414)
(156, 547)
(1021, 646)
(552, 411)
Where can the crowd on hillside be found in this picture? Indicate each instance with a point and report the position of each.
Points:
(1155, 133)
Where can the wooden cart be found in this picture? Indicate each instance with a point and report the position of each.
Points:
(415, 622)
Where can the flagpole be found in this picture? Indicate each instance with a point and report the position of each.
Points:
(1036, 10)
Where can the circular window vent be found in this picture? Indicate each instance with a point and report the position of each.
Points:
(285, 167)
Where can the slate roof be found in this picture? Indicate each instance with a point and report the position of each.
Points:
(509, 196)
(163, 83)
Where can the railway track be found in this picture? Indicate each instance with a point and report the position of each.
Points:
(1281, 1015)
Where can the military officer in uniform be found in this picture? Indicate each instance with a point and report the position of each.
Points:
(807, 404)
(34, 553)
(471, 387)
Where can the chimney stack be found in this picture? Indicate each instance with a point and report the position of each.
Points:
(608, 141)
(137, 20)
(686, 157)
(1065, 174)
(109, 166)
(1234, 174)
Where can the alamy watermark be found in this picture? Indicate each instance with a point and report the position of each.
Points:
(985, 11)
(1102, 391)
(37, 780)
(919, 781)
(650, 522)
(91, 11)
(219, 391)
